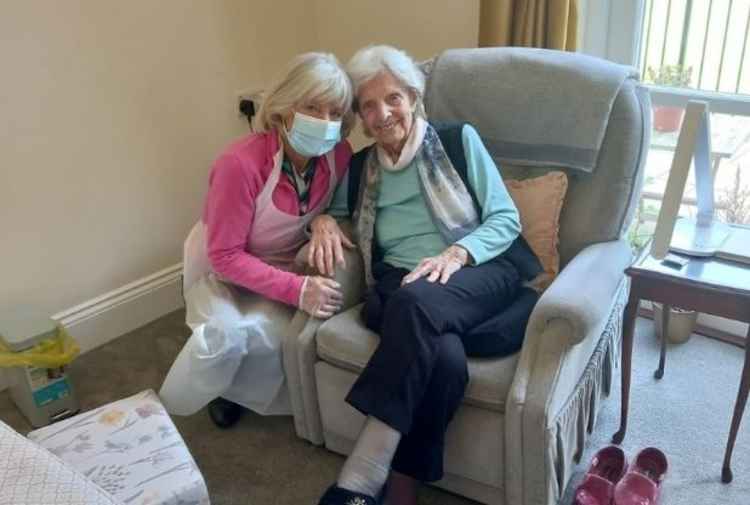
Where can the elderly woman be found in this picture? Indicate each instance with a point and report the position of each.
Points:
(440, 238)
(240, 288)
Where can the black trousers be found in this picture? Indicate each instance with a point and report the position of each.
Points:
(416, 379)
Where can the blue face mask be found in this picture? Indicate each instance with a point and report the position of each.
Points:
(311, 136)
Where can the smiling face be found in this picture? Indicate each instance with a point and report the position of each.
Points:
(387, 111)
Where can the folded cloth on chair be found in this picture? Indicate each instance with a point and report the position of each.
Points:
(531, 106)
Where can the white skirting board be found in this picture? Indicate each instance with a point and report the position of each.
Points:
(106, 317)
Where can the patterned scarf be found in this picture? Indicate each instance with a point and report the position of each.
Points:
(445, 195)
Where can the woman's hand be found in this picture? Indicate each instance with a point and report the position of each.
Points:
(321, 297)
(440, 267)
(326, 245)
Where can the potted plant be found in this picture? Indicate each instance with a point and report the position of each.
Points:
(669, 118)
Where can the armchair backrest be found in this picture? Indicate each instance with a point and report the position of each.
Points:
(539, 110)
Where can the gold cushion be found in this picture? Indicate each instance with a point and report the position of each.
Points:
(539, 201)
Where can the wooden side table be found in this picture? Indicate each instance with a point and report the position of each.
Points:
(710, 285)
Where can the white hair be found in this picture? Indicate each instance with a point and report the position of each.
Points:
(369, 62)
(309, 77)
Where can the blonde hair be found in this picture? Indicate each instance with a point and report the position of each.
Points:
(371, 61)
(309, 77)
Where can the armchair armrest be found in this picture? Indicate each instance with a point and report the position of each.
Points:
(561, 371)
(298, 354)
(299, 351)
(580, 295)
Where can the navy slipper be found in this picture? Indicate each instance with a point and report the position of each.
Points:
(339, 496)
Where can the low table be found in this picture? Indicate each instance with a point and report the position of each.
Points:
(709, 285)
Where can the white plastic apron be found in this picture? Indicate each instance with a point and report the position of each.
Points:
(235, 348)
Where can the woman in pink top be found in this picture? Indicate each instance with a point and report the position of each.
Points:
(240, 284)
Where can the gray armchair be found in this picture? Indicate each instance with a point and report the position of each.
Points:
(525, 417)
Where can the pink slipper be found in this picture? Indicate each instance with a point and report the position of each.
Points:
(607, 467)
(642, 484)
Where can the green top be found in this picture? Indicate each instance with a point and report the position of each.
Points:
(404, 228)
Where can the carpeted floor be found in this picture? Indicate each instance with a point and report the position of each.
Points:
(686, 414)
(262, 462)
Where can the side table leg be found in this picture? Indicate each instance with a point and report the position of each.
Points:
(666, 310)
(628, 329)
(739, 409)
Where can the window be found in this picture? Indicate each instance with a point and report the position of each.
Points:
(696, 49)
(685, 49)
(696, 44)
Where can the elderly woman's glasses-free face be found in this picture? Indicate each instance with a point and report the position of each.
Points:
(387, 110)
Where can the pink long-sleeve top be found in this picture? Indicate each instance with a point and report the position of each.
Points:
(236, 180)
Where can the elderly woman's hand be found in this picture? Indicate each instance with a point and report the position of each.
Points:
(326, 245)
(440, 267)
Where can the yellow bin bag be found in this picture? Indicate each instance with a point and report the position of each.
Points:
(52, 352)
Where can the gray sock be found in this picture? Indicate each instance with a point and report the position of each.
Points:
(366, 469)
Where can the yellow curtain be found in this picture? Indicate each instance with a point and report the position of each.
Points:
(552, 24)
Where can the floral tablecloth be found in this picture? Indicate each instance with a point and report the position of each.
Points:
(131, 449)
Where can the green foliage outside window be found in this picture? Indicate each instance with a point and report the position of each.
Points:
(676, 76)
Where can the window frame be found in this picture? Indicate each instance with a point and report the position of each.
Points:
(611, 29)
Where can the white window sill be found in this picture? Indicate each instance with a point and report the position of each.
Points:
(721, 103)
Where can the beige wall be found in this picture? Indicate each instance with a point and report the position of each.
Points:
(421, 27)
(113, 111)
